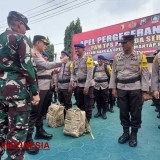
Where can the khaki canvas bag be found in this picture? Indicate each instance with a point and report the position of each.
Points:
(75, 122)
(55, 115)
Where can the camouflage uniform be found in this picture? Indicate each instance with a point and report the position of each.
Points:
(83, 75)
(17, 80)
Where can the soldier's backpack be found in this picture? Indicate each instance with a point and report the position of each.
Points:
(75, 122)
(105, 69)
(55, 115)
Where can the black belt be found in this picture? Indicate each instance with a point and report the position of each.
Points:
(81, 80)
(101, 81)
(64, 81)
(131, 80)
(45, 77)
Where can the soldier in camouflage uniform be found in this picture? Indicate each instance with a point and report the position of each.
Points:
(101, 78)
(63, 84)
(130, 82)
(17, 85)
(82, 77)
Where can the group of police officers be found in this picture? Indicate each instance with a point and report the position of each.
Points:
(25, 82)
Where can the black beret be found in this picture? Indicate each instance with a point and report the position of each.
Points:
(127, 38)
(40, 38)
(101, 57)
(20, 17)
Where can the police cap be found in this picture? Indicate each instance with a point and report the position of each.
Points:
(101, 57)
(127, 38)
(45, 54)
(40, 38)
(66, 53)
(80, 45)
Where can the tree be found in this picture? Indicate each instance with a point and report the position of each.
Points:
(50, 51)
(73, 28)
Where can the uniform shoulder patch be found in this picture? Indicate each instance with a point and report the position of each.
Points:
(144, 62)
(89, 61)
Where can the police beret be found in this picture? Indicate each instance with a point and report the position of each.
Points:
(40, 38)
(127, 38)
(101, 57)
(80, 45)
(19, 17)
(45, 54)
(106, 59)
(66, 53)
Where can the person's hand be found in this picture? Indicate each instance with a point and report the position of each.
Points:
(55, 71)
(114, 92)
(65, 59)
(70, 89)
(85, 91)
(156, 94)
(36, 99)
(145, 97)
(56, 88)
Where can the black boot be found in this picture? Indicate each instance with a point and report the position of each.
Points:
(133, 138)
(125, 136)
(104, 115)
(158, 116)
(111, 109)
(98, 114)
(158, 126)
(32, 149)
(42, 134)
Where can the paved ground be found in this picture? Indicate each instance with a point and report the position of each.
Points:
(105, 145)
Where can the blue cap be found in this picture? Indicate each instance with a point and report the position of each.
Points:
(66, 53)
(80, 45)
(45, 54)
(106, 59)
(101, 57)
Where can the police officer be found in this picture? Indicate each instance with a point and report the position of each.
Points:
(63, 84)
(101, 78)
(44, 83)
(111, 99)
(155, 80)
(130, 82)
(82, 77)
(18, 85)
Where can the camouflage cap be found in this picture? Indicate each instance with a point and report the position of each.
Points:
(40, 38)
(20, 17)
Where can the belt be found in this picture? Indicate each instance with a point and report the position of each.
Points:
(81, 80)
(45, 77)
(64, 81)
(131, 80)
(102, 80)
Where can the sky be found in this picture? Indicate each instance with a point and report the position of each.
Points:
(51, 17)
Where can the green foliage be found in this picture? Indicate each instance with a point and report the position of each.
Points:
(73, 28)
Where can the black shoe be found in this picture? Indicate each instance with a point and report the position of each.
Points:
(158, 116)
(124, 138)
(55, 101)
(104, 115)
(42, 134)
(133, 140)
(111, 110)
(158, 126)
(32, 148)
(98, 114)
(153, 104)
(156, 110)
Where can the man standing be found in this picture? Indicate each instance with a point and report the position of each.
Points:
(44, 83)
(155, 80)
(130, 82)
(63, 84)
(82, 77)
(18, 85)
(101, 78)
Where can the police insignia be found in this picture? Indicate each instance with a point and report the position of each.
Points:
(89, 61)
(144, 62)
